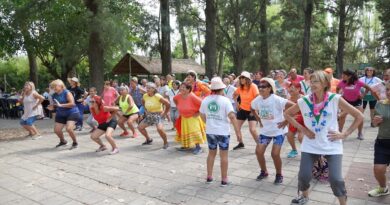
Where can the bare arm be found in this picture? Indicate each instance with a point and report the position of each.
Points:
(356, 114)
(254, 113)
(39, 97)
(289, 115)
(233, 120)
(203, 116)
(285, 122)
(167, 106)
(110, 108)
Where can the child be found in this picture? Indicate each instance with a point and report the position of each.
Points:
(268, 110)
(294, 90)
(171, 93)
(216, 110)
(91, 121)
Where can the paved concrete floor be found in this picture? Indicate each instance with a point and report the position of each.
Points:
(34, 172)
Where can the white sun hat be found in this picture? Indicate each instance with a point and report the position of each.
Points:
(217, 84)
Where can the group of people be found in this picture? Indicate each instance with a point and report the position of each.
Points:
(312, 107)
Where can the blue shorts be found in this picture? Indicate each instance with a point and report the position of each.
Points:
(278, 140)
(218, 140)
(29, 121)
(141, 110)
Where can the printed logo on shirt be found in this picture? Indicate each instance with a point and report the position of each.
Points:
(351, 87)
(213, 107)
(266, 113)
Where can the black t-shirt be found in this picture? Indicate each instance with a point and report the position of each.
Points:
(77, 93)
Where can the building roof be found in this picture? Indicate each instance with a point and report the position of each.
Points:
(147, 65)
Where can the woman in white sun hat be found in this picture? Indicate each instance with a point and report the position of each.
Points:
(243, 96)
(216, 110)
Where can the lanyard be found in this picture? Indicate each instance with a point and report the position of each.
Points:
(306, 88)
(227, 90)
(369, 82)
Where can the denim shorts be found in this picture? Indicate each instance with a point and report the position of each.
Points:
(278, 140)
(218, 140)
(29, 121)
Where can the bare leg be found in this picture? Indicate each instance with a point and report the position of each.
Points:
(360, 128)
(260, 150)
(69, 129)
(35, 130)
(252, 130)
(163, 135)
(58, 130)
(109, 138)
(130, 122)
(291, 140)
(275, 153)
(210, 162)
(121, 123)
(240, 123)
(224, 163)
(380, 174)
(95, 136)
(28, 128)
(142, 129)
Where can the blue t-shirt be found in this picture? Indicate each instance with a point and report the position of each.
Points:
(64, 111)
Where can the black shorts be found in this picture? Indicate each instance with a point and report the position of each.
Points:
(372, 104)
(71, 117)
(356, 103)
(104, 126)
(245, 115)
(127, 116)
(382, 151)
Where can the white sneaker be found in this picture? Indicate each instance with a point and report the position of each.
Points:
(115, 151)
(35, 137)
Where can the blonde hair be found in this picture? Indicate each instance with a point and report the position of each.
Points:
(323, 77)
(30, 84)
(57, 82)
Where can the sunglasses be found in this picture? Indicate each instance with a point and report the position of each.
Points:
(92, 101)
(263, 86)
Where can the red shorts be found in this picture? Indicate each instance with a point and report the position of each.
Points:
(299, 119)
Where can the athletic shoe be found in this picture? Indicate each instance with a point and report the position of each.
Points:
(78, 128)
(165, 146)
(209, 180)
(62, 143)
(101, 149)
(292, 154)
(300, 200)
(262, 175)
(225, 183)
(35, 137)
(278, 179)
(124, 134)
(135, 135)
(239, 146)
(182, 149)
(114, 151)
(148, 142)
(360, 136)
(197, 150)
(379, 191)
(74, 146)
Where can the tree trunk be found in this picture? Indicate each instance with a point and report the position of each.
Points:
(220, 63)
(238, 56)
(263, 37)
(165, 38)
(200, 45)
(32, 62)
(181, 28)
(211, 45)
(308, 9)
(341, 38)
(95, 47)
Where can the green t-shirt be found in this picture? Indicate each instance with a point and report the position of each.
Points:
(383, 109)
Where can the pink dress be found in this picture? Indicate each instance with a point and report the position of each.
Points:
(109, 96)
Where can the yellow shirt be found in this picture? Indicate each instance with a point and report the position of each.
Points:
(170, 84)
(152, 103)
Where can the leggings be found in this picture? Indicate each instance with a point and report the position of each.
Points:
(335, 174)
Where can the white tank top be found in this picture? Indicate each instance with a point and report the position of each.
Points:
(28, 103)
